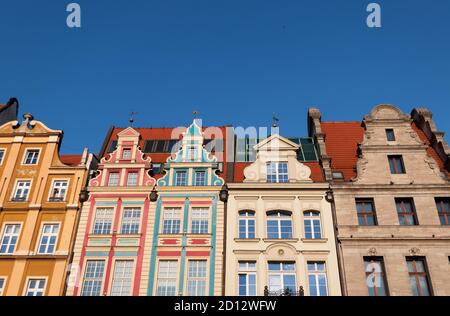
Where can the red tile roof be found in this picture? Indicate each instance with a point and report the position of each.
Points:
(341, 140)
(71, 160)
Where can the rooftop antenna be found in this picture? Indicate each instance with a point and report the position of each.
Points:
(131, 120)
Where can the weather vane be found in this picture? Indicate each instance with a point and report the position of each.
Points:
(131, 120)
(275, 120)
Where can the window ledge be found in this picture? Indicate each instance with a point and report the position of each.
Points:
(322, 240)
(247, 239)
(281, 240)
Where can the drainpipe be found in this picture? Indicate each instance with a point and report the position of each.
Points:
(339, 254)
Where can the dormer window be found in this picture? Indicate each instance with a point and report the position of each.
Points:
(277, 172)
(126, 154)
(191, 154)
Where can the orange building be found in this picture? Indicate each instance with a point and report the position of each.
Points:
(39, 208)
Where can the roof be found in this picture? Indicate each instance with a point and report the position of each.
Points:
(71, 160)
(341, 140)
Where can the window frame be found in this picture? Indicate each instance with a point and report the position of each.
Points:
(317, 273)
(366, 214)
(317, 217)
(390, 135)
(51, 198)
(198, 279)
(2, 236)
(281, 273)
(41, 235)
(205, 178)
(175, 178)
(247, 272)
(108, 181)
(174, 217)
(131, 221)
(404, 214)
(35, 278)
(278, 175)
(126, 150)
(25, 156)
(246, 218)
(278, 218)
(134, 172)
(383, 276)
(168, 279)
(393, 167)
(4, 278)
(4, 150)
(121, 278)
(417, 274)
(93, 230)
(14, 199)
(440, 206)
(94, 278)
(200, 219)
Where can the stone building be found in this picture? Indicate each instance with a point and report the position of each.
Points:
(390, 178)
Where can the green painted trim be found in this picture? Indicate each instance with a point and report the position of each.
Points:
(97, 253)
(183, 245)
(125, 253)
(151, 276)
(107, 203)
(212, 268)
(194, 176)
(99, 242)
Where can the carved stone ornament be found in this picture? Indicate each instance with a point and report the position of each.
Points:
(414, 251)
(372, 251)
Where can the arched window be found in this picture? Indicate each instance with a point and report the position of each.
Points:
(312, 225)
(247, 224)
(279, 225)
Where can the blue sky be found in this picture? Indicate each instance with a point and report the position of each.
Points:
(236, 62)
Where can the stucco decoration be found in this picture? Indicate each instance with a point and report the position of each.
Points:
(281, 250)
(277, 149)
(386, 112)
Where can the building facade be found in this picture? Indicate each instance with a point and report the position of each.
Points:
(279, 236)
(39, 208)
(109, 254)
(390, 178)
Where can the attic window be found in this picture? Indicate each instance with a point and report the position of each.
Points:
(338, 175)
(126, 154)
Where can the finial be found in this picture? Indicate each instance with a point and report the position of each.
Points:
(195, 113)
(131, 120)
(275, 121)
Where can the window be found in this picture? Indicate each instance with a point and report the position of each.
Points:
(196, 278)
(180, 178)
(245, 151)
(93, 278)
(247, 225)
(279, 225)
(443, 206)
(162, 146)
(338, 175)
(172, 221)
(2, 285)
(132, 179)
(31, 157)
(282, 278)
(307, 151)
(157, 168)
(35, 287)
(2, 155)
(200, 219)
(191, 153)
(113, 180)
(317, 279)
(200, 178)
(131, 220)
(375, 276)
(103, 221)
(277, 172)
(406, 212)
(247, 278)
(122, 278)
(22, 191)
(49, 236)
(312, 225)
(9, 239)
(418, 276)
(366, 212)
(167, 278)
(396, 164)
(390, 135)
(59, 190)
(126, 154)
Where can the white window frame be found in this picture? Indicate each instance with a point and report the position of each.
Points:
(2, 287)
(131, 220)
(172, 214)
(205, 178)
(56, 235)
(16, 188)
(34, 290)
(115, 173)
(250, 215)
(124, 278)
(191, 153)
(60, 198)
(135, 184)
(316, 216)
(93, 279)
(279, 218)
(277, 173)
(166, 279)
(247, 271)
(281, 273)
(25, 156)
(197, 279)
(316, 273)
(3, 236)
(126, 150)
(200, 214)
(103, 218)
(4, 155)
(186, 175)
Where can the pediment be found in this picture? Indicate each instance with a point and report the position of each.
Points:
(276, 143)
(128, 132)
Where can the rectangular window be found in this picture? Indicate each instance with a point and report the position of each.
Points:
(406, 212)
(390, 135)
(167, 278)
(22, 191)
(9, 239)
(132, 179)
(103, 221)
(126, 154)
(59, 190)
(396, 164)
(279, 226)
(122, 278)
(31, 157)
(93, 278)
(131, 220)
(200, 220)
(247, 225)
(35, 287)
(172, 221)
(157, 168)
(200, 178)
(196, 278)
(282, 278)
(2, 285)
(312, 225)
(2, 155)
(245, 151)
(277, 172)
(443, 207)
(317, 279)
(48, 240)
(375, 276)
(191, 154)
(418, 276)
(180, 178)
(366, 212)
(247, 278)
(113, 180)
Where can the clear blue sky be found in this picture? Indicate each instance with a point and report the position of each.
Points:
(236, 62)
